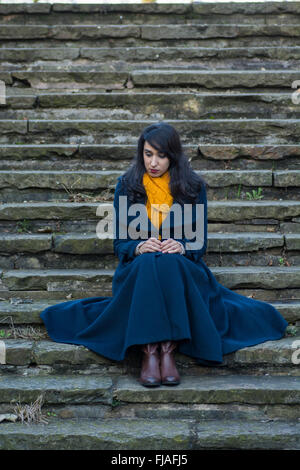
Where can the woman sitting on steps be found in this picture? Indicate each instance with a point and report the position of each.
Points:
(165, 298)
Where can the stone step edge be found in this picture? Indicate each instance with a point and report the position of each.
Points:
(36, 305)
(28, 313)
(79, 146)
(120, 172)
(175, 122)
(109, 272)
(242, 389)
(174, 48)
(221, 53)
(37, 172)
(150, 64)
(193, 8)
(7, 307)
(34, 93)
(54, 242)
(83, 236)
(155, 26)
(243, 203)
(149, 434)
(56, 127)
(146, 65)
(279, 353)
(229, 211)
(157, 77)
(142, 30)
(106, 179)
(233, 276)
(78, 150)
(136, 73)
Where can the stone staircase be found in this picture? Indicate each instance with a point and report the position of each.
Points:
(81, 83)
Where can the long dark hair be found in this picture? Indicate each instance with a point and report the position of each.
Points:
(185, 183)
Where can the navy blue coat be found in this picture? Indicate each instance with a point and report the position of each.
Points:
(164, 296)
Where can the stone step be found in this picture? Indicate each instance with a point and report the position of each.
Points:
(230, 397)
(128, 42)
(284, 390)
(116, 156)
(282, 296)
(217, 390)
(202, 131)
(119, 77)
(146, 32)
(175, 411)
(53, 250)
(223, 13)
(250, 10)
(280, 357)
(218, 211)
(213, 78)
(64, 219)
(269, 56)
(45, 185)
(56, 389)
(18, 312)
(90, 244)
(266, 277)
(26, 104)
(147, 434)
(160, 63)
(45, 78)
(23, 179)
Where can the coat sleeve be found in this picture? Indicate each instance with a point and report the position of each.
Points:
(195, 255)
(124, 249)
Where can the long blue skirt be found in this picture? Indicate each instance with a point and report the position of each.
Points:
(163, 296)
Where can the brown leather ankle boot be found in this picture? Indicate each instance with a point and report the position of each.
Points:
(169, 372)
(150, 371)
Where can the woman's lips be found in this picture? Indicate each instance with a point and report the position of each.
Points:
(154, 171)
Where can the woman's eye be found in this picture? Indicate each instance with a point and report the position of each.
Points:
(161, 156)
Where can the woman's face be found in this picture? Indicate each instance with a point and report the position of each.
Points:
(155, 160)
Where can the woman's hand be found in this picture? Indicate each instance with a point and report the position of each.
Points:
(171, 246)
(167, 246)
(150, 245)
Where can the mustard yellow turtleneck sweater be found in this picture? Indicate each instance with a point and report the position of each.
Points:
(158, 192)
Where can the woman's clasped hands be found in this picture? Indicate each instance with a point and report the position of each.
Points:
(166, 246)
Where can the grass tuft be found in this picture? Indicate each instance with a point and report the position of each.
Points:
(31, 413)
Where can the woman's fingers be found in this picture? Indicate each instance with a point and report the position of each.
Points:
(167, 246)
(154, 247)
(155, 241)
(167, 243)
(152, 244)
(171, 246)
(172, 250)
